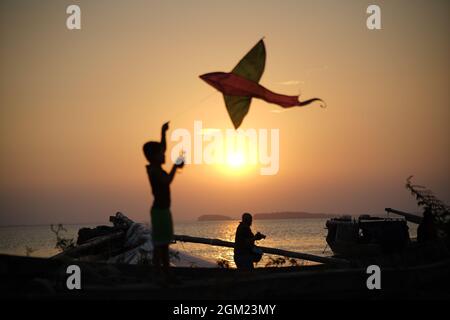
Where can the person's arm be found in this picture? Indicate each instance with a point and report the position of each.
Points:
(164, 129)
(172, 173)
(168, 178)
(259, 236)
(249, 238)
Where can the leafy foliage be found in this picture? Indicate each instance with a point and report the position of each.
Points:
(62, 243)
(429, 202)
(222, 263)
(276, 262)
(281, 261)
(29, 250)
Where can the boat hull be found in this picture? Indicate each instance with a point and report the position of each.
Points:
(24, 277)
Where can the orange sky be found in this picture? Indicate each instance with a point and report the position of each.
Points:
(76, 106)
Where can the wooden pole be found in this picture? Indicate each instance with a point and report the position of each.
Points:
(408, 216)
(280, 252)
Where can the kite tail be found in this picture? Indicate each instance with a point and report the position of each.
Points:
(309, 101)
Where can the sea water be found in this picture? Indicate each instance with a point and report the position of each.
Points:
(301, 235)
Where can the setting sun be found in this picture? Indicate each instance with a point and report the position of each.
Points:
(236, 164)
(190, 150)
(236, 160)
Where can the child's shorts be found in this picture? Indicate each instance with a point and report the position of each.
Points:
(162, 226)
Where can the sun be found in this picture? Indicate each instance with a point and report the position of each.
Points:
(236, 164)
(236, 160)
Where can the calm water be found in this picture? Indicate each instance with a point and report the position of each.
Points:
(304, 235)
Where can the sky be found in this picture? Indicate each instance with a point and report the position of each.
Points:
(76, 106)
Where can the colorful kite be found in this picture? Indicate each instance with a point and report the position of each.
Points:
(241, 85)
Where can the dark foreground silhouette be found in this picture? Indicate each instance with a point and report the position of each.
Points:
(245, 251)
(161, 216)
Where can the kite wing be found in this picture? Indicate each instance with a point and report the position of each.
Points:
(251, 67)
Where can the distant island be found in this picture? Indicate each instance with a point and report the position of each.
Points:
(272, 215)
(213, 217)
(292, 215)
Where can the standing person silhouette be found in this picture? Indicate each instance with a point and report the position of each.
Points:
(244, 244)
(161, 217)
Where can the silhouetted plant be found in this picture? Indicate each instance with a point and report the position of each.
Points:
(294, 262)
(222, 263)
(429, 202)
(61, 243)
(276, 262)
(29, 251)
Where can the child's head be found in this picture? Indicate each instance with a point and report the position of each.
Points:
(154, 152)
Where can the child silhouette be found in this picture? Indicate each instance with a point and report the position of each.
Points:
(161, 216)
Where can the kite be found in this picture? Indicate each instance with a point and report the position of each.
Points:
(241, 85)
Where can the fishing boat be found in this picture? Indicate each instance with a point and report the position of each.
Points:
(381, 240)
(366, 235)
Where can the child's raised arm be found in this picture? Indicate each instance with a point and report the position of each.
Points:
(164, 129)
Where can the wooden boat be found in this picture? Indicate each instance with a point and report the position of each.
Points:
(366, 235)
(112, 244)
(426, 276)
(25, 277)
(384, 241)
